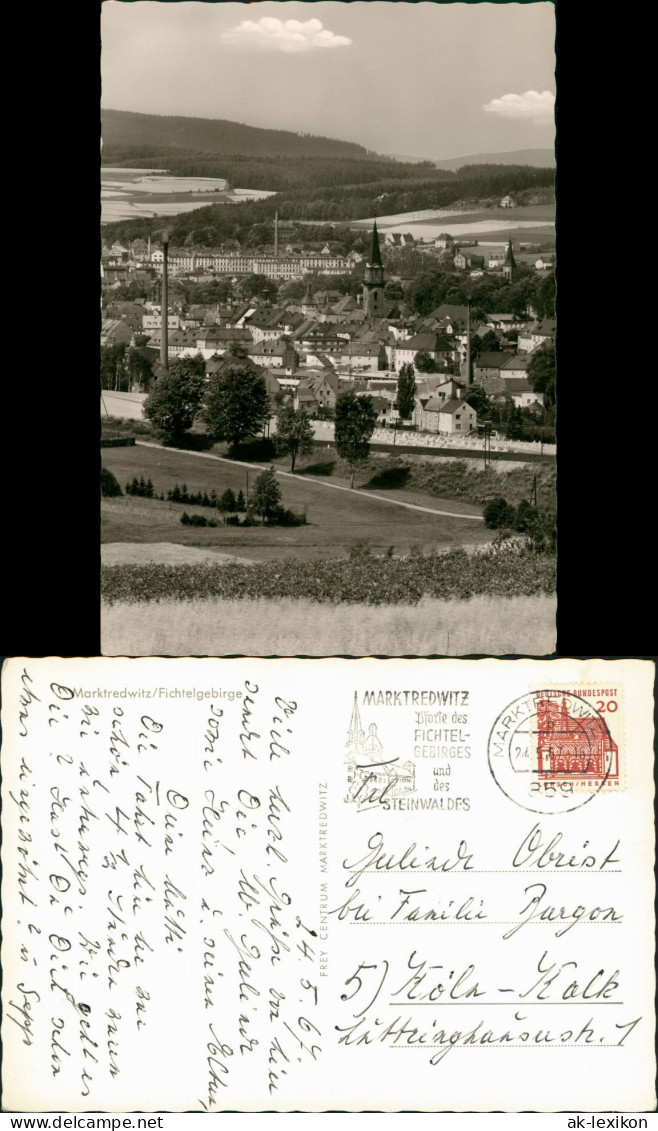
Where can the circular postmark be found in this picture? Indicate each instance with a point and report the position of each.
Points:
(550, 751)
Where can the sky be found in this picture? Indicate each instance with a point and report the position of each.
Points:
(433, 80)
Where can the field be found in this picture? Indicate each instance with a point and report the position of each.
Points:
(336, 519)
(365, 576)
(532, 223)
(128, 193)
(288, 627)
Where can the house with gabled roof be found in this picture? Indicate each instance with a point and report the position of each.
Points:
(539, 334)
(437, 346)
(452, 416)
(115, 332)
(488, 364)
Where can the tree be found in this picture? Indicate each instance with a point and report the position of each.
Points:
(499, 514)
(488, 343)
(266, 494)
(424, 362)
(113, 367)
(176, 398)
(478, 399)
(406, 397)
(109, 484)
(294, 433)
(541, 372)
(228, 501)
(140, 368)
(355, 423)
(514, 423)
(237, 405)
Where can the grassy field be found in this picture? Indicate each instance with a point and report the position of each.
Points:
(336, 520)
(289, 627)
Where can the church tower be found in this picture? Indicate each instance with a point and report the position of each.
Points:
(510, 262)
(373, 282)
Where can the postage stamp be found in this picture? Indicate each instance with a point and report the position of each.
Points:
(556, 748)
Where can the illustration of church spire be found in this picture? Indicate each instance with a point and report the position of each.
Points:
(356, 732)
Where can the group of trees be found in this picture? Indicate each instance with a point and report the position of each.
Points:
(537, 525)
(235, 406)
(432, 287)
(122, 367)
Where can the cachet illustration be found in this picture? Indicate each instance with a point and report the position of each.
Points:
(551, 750)
(373, 775)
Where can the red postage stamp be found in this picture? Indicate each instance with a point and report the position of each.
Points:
(573, 737)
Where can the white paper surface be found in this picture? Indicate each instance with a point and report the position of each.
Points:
(311, 885)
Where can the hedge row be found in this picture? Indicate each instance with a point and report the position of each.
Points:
(504, 570)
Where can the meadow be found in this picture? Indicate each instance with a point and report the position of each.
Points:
(336, 519)
(293, 627)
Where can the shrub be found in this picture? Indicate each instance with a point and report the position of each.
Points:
(526, 517)
(284, 517)
(498, 513)
(109, 484)
(506, 569)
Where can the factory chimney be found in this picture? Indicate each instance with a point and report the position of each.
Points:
(164, 315)
(467, 369)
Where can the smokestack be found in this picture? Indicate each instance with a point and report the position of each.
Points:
(467, 372)
(276, 234)
(469, 368)
(149, 247)
(164, 315)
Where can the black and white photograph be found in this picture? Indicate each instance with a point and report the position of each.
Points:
(328, 329)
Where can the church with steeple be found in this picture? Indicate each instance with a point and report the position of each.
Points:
(374, 301)
(510, 262)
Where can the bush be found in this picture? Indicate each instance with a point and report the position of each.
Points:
(498, 514)
(283, 517)
(109, 484)
(197, 520)
(526, 517)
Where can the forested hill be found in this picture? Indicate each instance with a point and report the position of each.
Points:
(123, 129)
(540, 158)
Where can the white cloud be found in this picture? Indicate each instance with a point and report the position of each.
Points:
(291, 36)
(532, 105)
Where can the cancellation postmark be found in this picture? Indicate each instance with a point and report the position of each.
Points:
(557, 748)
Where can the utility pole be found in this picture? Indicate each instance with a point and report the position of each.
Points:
(164, 309)
(487, 444)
